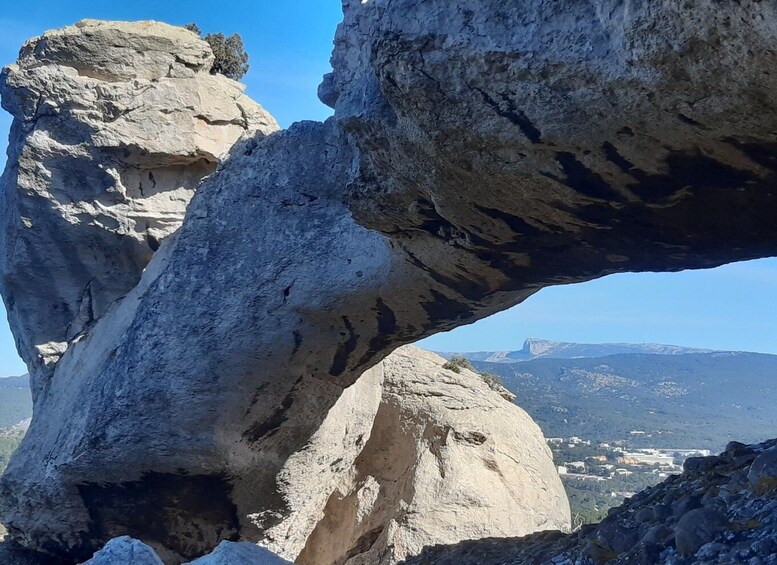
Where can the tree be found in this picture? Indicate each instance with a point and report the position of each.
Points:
(231, 60)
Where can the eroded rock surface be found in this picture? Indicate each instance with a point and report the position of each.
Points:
(115, 126)
(243, 553)
(480, 151)
(413, 454)
(125, 551)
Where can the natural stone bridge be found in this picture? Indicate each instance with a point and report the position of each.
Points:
(479, 152)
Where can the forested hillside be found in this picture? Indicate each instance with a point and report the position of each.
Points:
(695, 400)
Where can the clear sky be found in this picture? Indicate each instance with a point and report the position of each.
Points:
(289, 43)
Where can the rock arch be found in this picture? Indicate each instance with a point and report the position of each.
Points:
(478, 153)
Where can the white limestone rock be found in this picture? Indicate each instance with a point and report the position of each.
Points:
(116, 124)
(414, 455)
(125, 551)
(242, 553)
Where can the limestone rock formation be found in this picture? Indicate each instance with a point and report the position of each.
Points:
(711, 514)
(411, 455)
(480, 151)
(115, 126)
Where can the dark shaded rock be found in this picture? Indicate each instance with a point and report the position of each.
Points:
(763, 472)
(661, 512)
(694, 466)
(658, 535)
(12, 553)
(685, 504)
(617, 537)
(696, 528)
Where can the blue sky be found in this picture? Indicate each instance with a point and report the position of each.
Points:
(732, 307)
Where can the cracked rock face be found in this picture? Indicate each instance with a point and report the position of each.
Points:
(115, 126)
(479, 152)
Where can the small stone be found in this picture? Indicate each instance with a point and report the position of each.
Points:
(765, 546)
(661, 512)
(644, 515)
(658, 534)
(686, 503)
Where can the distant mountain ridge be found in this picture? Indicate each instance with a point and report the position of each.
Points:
(534, 348)
(652, 395)
(15, 400)
(22, 381)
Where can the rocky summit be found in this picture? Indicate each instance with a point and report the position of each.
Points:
(479, 151)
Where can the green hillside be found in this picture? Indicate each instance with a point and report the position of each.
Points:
(697, 400)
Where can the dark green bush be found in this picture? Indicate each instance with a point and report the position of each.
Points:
(457, 363)
(231, 58)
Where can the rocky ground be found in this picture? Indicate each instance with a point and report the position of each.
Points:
(721, 509)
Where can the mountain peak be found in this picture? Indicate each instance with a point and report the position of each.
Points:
(534, 348)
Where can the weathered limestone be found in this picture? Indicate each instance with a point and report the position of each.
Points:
(480, 151)
(243, 553)
(116, 125)
(128, 551)
(125, 550)
(410, 455)
(414, 455)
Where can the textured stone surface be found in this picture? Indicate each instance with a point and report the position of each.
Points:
(479, 151)
(696, 528)
(243, 553)
(115, 125)
(763, 473)
(125, 551)
(413, 455)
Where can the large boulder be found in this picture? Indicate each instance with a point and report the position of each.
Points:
(479, 152)
(413, 455)
(115, 126)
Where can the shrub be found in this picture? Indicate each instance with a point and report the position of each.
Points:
(457, 363)
(493, 381)
(231, 58)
